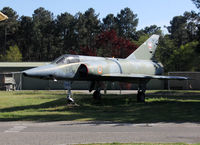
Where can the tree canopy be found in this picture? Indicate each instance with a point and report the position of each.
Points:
(43, 36)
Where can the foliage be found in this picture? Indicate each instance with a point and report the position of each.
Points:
(143, 34)
(43, 37)
(179, 50)
(197, 3)
(8, 30)
(12, 55)
(149, 30)
(126, 23)
(176, 58)
(164, 52)
(142, 39)
(109, 44)
(42, 34)
(186, 53)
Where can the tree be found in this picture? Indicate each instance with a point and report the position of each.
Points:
(179, 50)
(109, 22)
(153, 29)
(8, 30)
(197, 3)
(86, 29)
(178, 30)
(127, 22)
(65, 25)
(144, 34)
(12, 55)
(92, 25)
(25, 37)
(165, 51)
(142, 38)
(43, 26)
(188, 59)
(108, 44)
(193, 22)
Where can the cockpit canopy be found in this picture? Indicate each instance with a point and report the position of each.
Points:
(66, 59)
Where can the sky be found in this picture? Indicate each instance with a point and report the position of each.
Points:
(150, 12)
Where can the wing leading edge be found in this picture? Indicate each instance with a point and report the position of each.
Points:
(142, 76)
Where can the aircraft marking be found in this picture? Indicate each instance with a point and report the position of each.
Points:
(100, 69)
(149, 45)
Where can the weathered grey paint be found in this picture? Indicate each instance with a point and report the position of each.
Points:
(137, 68)
(27, 83)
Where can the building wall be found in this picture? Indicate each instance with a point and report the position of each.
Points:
(192, 84)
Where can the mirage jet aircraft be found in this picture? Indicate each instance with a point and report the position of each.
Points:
(139, 67)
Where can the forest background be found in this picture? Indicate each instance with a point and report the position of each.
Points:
(44, 37)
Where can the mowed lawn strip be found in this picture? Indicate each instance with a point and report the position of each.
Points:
(160, 106)
(143, 144)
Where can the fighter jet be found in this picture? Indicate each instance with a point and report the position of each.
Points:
(139, 68)
(3, 17)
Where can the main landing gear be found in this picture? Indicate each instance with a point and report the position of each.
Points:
(141, 93)
(97, 95)
(97, 92)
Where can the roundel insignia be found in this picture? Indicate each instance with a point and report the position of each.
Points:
(99, 69)
(150, 46)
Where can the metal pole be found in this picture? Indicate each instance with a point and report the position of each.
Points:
(5, 41)
(168, 82)
(21, 81)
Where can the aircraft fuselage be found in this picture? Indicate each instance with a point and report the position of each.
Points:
(88, 68)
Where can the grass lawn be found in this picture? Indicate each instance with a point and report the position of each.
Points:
(160, 106)
(143, 144)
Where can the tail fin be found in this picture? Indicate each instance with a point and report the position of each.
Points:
(147, 50)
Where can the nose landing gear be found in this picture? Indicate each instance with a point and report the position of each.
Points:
(67, 85)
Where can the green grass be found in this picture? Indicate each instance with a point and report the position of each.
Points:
(143, 144)
(160, 106)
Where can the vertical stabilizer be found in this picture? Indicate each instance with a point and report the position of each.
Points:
(147, 50)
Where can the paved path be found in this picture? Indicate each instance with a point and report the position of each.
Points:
(59, 133)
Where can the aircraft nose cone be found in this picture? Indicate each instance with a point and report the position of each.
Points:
(41, 71)
(29, 72)
(25, 73)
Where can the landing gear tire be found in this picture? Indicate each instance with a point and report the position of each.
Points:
(141, 97)
(70, 100)
(97, 95)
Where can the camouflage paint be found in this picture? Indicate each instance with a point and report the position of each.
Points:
(139, 67)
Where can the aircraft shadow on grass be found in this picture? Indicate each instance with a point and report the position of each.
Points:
(120, 108)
